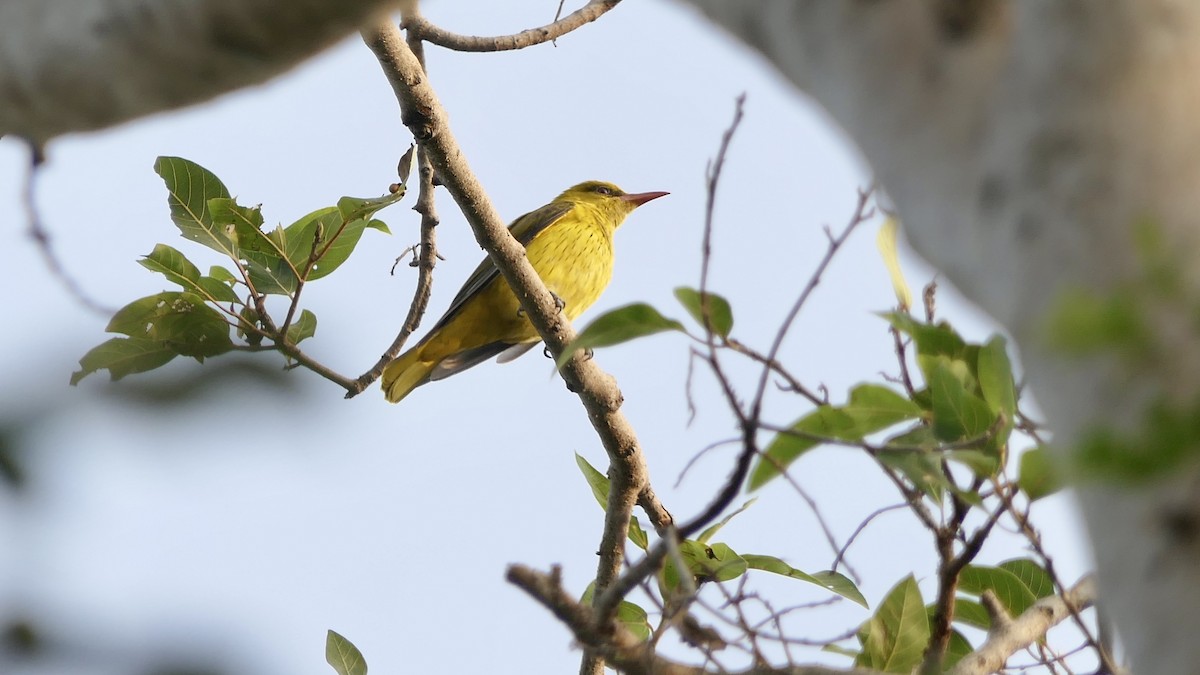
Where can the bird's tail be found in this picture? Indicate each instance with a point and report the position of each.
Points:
(404, 374)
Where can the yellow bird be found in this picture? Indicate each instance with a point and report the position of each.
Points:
(569, 242)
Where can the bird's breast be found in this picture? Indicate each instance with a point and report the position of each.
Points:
(575, 260)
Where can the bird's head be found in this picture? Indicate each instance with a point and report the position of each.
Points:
(607, 198)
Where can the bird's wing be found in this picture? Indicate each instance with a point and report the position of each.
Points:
(456, 363)
(524, 229)
(515, 352)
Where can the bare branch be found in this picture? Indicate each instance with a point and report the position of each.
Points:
(620, 647)
(424, 30)
(426, 259)
(41, 237)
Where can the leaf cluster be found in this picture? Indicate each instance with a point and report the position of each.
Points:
(225, 309)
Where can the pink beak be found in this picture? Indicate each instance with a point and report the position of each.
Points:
(640, 198)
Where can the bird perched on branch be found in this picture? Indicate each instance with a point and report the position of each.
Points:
(569, 242)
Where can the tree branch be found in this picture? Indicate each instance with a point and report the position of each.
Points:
(622, 648)
(70, 66)
(1008, 637)
(422, 113)
(424, 30)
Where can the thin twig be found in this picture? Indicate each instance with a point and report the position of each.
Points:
(861, 214)
(426, 259)
(41, 237)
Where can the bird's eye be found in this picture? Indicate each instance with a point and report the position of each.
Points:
(603, 190)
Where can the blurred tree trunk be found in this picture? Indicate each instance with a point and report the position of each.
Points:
(77, 65)
(1036, 151)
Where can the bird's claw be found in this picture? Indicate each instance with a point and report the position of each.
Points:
(559, 304)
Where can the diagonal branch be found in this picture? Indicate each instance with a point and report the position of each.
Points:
(422, 113)
(1008, 637)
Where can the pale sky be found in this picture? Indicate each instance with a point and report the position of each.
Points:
(244, 527)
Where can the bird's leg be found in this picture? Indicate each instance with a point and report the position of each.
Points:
(559, 304)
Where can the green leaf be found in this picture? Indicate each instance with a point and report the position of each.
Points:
(638, 535)
(919, 437)
(1012, 593)
(178, 269)
(596, 480)
(216, 290)
(871, 408)
(875, 407)
(249, 320)
(318, 243)
(600, 487)
(996, 377)
(839, 649)
(344, 656)
(262, 249)
(829, 580)
(894, 639)
(189, 187)
(840, 584)
(303, 328)
(619, 325)
(705, 563)
(223, 275)
(226, 211)
(958, 649)
(957, 414)
(173, 265)
(716, 527)
(717, 562)
(634, 617)
(121, 357)
(971, 613)
(720, 314)
(1033, 575)
(980, 463)
(1037, 476)
(180, 321)
(360, 208)
(930, 339)
(270, 275)
(824, 422)
(922, 469)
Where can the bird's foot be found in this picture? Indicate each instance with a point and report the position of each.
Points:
(559, 304)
